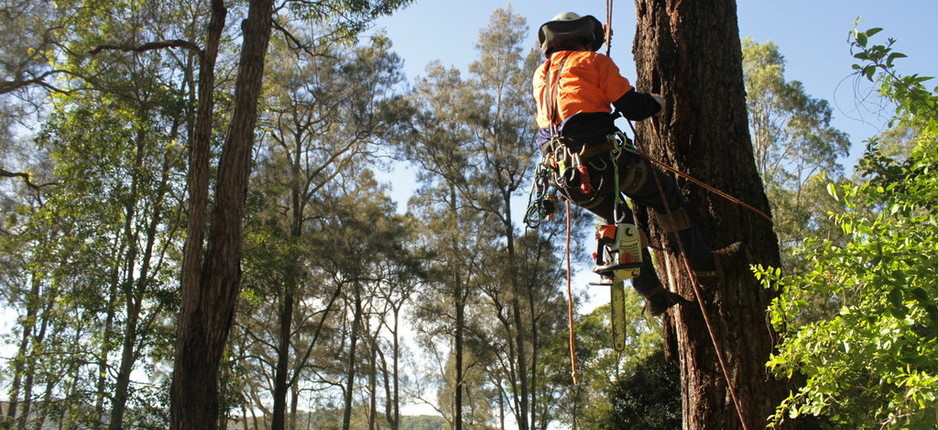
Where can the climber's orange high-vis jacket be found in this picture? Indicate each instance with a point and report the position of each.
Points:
(589, 82)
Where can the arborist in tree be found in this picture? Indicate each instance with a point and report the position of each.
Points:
(579, 94)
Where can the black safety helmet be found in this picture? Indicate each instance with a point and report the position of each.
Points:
(568, 26)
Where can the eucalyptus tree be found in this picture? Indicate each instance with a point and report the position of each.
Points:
(472, 141)
(501, 142)
(323, 121)
(795, 147)
(433, 145)
(365, 255)
(212, 252)
(118, 202)
(112, 144)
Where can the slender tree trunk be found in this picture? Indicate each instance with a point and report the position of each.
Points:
(459, 330)
(689, 51)
(373, 386)
(108, 332)
(134, 290)
(19, 366)
(390, 378)
(37, 341)
(210, 292)
(278, 421)
(520, 340)
(122, 382)
(395, 418)
(40, 420)
(281, 383)
(458, 351)
(294, 402)
(350, 367)
(501, 410)
(526, 403)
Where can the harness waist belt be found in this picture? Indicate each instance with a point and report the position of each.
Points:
(584, 146)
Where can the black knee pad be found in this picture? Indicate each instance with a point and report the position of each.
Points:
(633, 175)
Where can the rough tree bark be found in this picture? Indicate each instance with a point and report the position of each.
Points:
(689, 51)
(211, 285)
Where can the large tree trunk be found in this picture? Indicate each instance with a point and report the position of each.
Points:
(689, 51)
(209, 293)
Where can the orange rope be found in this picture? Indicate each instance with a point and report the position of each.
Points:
(705, 186)
(570, 304)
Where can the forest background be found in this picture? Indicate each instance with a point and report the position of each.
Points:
(94, 211)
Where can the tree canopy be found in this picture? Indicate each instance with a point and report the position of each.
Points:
(140, 141)
(872, 364)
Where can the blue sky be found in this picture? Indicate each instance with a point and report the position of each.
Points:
(812, 35)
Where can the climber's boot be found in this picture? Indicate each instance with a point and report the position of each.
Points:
(660, 300)
(733, 256)
(709, 266)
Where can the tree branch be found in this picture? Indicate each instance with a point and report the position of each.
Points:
(174, 43)
(8, 174)
(300, 45)
(10, 86)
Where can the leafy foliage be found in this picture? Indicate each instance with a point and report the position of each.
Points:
(613, 385)
(872, 365)
(648, 397)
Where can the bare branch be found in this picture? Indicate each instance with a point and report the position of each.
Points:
(10, 86)
(174, 43)
(8, 174)
(297, 42)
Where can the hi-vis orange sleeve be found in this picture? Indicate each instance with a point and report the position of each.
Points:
(589, 82)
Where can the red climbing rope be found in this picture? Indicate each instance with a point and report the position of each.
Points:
(572, 342)
(706, 186)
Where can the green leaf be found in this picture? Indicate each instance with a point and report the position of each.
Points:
(861, 39)
(898, 309)
(920, 295)
(895, 55)
(832, 190)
